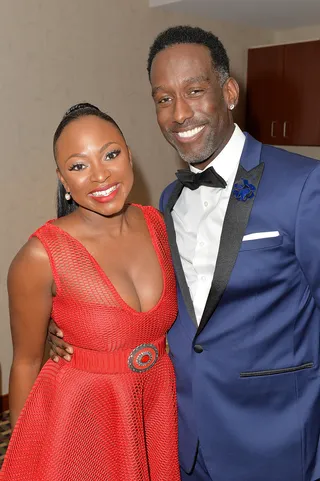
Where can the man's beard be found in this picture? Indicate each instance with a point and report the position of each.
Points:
(197, 158)
(193, 157)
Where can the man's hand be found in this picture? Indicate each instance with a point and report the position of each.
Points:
(59, 348)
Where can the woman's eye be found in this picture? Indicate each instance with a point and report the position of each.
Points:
(112, 155)
(77, 167)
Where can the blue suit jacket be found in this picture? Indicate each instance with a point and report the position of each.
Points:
(252, 396)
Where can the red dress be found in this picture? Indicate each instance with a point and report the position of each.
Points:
(109, 414)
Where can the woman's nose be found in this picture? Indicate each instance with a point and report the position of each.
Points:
(100, 173)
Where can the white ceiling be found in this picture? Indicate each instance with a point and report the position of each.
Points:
(273, 14)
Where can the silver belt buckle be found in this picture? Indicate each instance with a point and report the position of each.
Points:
(143, 357)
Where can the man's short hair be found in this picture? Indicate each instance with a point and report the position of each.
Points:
(186, 34)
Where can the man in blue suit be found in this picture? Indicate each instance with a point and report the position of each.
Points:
(243, 224)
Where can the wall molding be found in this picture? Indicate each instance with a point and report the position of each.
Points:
(4, 403)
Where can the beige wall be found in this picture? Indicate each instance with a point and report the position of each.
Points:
(56, 53)
(297, 34)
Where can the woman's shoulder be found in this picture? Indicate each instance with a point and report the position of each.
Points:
(42, 228)
(149, 210)
(154, 220)
(34, 246)
(54, 228)
(30, 258)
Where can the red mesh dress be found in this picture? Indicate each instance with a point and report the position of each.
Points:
(109, 414)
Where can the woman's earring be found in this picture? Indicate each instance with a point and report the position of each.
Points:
(231, 106)
(67, 196)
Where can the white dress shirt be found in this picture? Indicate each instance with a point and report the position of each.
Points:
(198, 217)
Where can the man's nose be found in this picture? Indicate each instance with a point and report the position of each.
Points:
(182, 110)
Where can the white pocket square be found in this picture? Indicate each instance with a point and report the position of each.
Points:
(261, 235)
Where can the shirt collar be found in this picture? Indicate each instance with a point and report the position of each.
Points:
(228, 159)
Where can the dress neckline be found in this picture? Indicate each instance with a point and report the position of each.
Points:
(102, 273)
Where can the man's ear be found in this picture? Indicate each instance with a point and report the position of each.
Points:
(231, 92)
(63, 182)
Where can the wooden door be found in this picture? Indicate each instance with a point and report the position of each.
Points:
(301, 85)
(265, 94)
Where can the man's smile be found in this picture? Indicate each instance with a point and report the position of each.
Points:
(188, 135)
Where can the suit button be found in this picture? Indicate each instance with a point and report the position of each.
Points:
(198, 349)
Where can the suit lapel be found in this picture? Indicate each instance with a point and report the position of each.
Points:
(234, 226)
(175, 252)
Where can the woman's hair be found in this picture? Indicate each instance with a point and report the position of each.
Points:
(64, 206)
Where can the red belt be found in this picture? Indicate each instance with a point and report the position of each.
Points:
(139, 359)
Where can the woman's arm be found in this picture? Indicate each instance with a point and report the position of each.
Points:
(30, 300)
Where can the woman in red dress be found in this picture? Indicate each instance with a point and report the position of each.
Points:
(102, 271)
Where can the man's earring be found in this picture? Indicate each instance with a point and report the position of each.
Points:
(231, 106)
(67, 196)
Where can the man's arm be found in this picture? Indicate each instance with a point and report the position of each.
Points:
(59, 348)
(307, 232)
(161, 206)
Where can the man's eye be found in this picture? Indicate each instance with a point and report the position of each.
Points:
(112, 155)
(164, 100)
(77, 167)
(196, 91)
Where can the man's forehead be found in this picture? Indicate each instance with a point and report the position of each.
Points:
(184, 82)
(186, 59)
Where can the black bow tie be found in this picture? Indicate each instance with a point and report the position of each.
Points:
(208, 177)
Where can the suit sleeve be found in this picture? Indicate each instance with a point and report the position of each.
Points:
(161, 206)
(307, 232)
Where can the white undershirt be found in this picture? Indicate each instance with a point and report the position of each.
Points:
(198, 217)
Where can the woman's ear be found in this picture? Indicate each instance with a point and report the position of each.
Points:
(130, 157)
(63, 182)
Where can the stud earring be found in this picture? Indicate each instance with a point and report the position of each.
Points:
(231, 106)
(67, 196)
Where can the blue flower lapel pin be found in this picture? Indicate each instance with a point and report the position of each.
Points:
(243, 190)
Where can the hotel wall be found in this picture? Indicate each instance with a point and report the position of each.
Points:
(56, 53)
